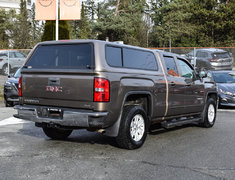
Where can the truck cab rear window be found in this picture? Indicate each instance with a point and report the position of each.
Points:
(71, 56)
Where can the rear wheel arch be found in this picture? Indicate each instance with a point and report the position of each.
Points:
(143, 99)
(212, 95)
(130, 99)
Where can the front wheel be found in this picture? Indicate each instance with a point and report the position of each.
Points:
(7, 103)
(209, 114)
(133, 128)
(5, 70)
(55, 133)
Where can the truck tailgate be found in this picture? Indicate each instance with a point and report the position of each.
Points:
(68, 87)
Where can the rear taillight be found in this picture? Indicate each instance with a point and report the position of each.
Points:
(20, 86)
(213, 59)
(1, 60)
(101, 90)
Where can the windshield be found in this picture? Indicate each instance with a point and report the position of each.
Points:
(225, 77)
(69, 56)
(17, 73)
(3, 55)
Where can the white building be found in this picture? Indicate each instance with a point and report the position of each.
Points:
(15, 4)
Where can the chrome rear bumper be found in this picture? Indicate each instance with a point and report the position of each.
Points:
(61, 116)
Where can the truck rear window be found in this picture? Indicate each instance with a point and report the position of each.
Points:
(69, 56)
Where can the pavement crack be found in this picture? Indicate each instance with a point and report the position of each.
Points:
(10, 156)
(195, 169)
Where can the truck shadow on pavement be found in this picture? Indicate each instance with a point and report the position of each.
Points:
(158, 129)
(77, 136)
(92, 138)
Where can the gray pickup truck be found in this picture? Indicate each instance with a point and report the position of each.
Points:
(117, 90)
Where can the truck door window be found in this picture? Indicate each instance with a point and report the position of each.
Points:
(186, 70)
(171, 66)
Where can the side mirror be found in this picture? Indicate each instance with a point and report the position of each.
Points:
(203, 74)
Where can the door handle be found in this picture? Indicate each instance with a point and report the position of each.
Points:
(172, 83)
(53, 81)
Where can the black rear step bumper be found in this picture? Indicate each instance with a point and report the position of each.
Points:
(62, 116)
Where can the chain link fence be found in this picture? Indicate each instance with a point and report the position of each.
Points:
(223, 56)
(186, 50)
(12, 59)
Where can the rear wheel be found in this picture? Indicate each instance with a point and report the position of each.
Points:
(209, 113)
(133, 128)
(55, 133)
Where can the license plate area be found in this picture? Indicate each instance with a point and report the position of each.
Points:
(50, 113)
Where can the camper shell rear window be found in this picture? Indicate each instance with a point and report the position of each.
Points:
(62, 56)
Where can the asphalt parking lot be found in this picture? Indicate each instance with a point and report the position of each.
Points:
(188, 152)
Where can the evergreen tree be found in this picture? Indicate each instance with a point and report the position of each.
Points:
(122, 21)
(82, 29)
(156, 23)
(4, 37)
(193, 23)
(10, 26)
(74, 29)
(172, 23)
(83, 24)
(91, 9)
(22, 35)
(49, 31)
(36, 28)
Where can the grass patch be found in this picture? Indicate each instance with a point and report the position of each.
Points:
(1, 93)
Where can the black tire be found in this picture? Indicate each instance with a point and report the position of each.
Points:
(124, 138)
(5, 69)
(55, 133)
(209, 114)
(7, 103)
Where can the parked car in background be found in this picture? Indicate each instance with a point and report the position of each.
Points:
(11, 93)
(225, 81)
(211, 59)
(16, 60)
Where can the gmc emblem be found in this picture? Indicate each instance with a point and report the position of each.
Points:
(53, 88)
